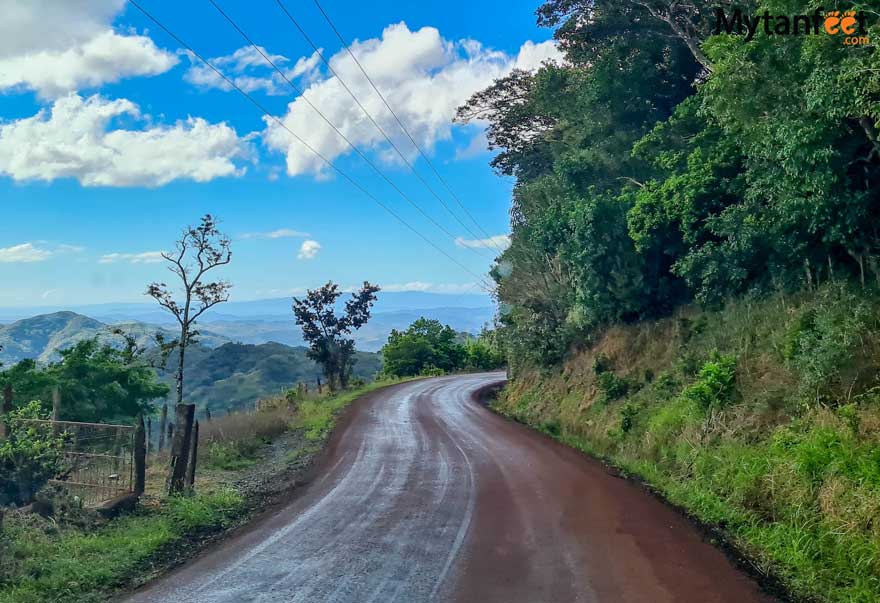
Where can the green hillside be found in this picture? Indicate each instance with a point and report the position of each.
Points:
(42, 337)
(236, 375)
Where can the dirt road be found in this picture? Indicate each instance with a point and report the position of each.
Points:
(426, 495)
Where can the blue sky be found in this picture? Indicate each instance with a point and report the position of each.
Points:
(112, 139)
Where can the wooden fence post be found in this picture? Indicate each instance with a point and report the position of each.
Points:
(56, 404)
(180, 444)
(5, 409)
(140, 457)
(149, 439)
(193, 458)
(163, 422)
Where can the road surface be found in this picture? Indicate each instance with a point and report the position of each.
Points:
(424, 495)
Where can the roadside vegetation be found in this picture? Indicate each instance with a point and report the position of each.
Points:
(691, 288)
(65, 554)
(428, 347)
(762, 419)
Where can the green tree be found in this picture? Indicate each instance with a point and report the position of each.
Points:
(98, 383)
(426, 344)
(325, 332)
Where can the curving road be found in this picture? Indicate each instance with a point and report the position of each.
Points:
(424, 495)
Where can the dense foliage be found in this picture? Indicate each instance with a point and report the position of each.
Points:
(29, 456)
(429, 347)
(662, 164)
(97, 383)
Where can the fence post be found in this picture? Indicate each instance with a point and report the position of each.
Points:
(5, 409)
(193, 459)
(149, 437)
(140, 457)
(163, 421)
(319, 386)
(56, 404)
(180, 447)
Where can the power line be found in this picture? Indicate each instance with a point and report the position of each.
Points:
(318, 154)
(360, 153)
(373, 120)
(402, 126)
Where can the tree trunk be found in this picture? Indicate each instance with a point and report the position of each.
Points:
(179, 377)
(5, 409)
(180, 445)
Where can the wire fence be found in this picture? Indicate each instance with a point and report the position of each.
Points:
(98, 460)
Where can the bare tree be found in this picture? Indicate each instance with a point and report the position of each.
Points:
(200, 249)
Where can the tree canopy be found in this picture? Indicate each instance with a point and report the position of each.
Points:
(662, 164)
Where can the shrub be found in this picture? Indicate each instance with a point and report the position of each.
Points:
(601, 363)
(826, 338)
(715, 383)
(612, 386)
(627, 416)
(30, 455)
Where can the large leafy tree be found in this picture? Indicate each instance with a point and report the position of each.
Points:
(98, 383)
(326, 333)
(426, 344)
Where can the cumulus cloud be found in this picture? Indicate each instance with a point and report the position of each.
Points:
(74, 140)
(308, 250)
(58, 47)
(496, 242)
(23, 253)
(281, 233)
(145, 257)
(423, 76)
(251, 72)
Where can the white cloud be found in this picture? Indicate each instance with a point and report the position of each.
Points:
(308, 250)
(74, 140)
(146, 257)
(57, 47)
(281, 233)
(247, 68)
(25, 252)
(423, 76)
(106, 58)
(496, 242)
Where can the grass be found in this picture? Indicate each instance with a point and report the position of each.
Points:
(47, 563)
(753, 418)
(57, 561)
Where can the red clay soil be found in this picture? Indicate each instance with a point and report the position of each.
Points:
(425, 495)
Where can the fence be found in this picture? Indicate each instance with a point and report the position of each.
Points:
(99, 460)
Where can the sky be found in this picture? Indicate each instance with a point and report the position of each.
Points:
(113, 138)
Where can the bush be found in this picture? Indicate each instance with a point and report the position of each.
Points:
(826, 338)
(715, 383)
(30, 456)
(612, 386)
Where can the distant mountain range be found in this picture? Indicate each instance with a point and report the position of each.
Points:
(246, 351)
(253, 322)
(42, 337)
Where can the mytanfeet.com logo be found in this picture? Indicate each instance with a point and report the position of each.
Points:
(850, 26)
